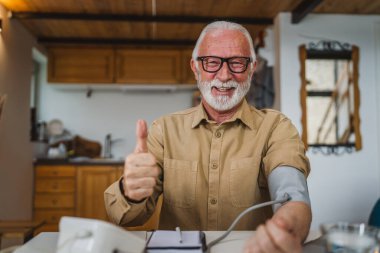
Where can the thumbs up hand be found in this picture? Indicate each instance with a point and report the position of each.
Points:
(140, 168)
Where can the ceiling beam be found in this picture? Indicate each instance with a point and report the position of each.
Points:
(137, 18)
(113, 41)
(303, 9)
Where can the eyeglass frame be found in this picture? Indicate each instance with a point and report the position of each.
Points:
(223, 60)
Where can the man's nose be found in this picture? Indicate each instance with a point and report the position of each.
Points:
(224, 74)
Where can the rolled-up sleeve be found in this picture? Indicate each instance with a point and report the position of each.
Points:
(285, 148)
(120, 211)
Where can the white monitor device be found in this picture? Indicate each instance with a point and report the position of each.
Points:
(95, 236)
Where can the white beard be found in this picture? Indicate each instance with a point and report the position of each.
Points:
(223, 103)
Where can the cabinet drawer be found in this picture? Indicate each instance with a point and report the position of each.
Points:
(52, 216)
(55, 171)
(54, 200)
(55, 185)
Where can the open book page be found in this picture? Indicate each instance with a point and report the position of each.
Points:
(171, 239)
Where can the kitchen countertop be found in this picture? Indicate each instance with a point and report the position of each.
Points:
(78, 161)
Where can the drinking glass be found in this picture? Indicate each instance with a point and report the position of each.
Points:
(346, 237)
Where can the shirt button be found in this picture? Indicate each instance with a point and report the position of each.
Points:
(213, 201)
(218, 134)
(214, 166)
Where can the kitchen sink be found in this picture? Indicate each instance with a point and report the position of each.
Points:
(96, 160)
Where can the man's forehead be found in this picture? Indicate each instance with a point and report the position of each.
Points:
(221, 40)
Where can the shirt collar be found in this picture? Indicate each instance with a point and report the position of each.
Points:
(200, 115)
(243, 114)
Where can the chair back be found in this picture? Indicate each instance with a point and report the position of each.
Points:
(374, 218)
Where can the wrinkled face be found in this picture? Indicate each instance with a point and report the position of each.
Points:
(223, 90)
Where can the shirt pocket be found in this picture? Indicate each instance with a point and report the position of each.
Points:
(180, 180)
(243, 181)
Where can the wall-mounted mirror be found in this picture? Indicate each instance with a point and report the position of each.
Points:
(330, 96)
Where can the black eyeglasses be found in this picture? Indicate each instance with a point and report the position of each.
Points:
(213, 64)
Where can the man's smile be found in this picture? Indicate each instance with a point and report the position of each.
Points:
(222, 91)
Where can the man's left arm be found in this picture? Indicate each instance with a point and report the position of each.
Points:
(284, 232)
(297, 212)
(294, 217)
(289, 226)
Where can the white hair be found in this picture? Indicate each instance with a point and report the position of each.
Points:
(224, 25)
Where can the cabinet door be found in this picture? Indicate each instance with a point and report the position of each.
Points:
(187, 73)
(148, 66)
(92, 181)
(80, 65)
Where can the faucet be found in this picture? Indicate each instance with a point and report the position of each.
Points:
(108, 144)
(107, 147)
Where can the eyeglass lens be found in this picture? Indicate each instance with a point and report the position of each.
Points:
(235, 64)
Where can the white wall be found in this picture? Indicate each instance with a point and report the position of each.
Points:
(267, 52)
(377, 66)
(342, 188)
(107, 111)
(16, 168)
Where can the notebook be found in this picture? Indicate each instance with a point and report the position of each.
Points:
(171, 241)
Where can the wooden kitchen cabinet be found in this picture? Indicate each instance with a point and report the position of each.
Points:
(80, 65)
(76, 190)
(110, 65)
(54, 194)
(92, 181)
(187, 73)
(148, 66)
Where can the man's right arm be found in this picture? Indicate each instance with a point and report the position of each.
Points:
(132, 199)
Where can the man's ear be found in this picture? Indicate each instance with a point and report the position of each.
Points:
(254, 64)
(194, 68)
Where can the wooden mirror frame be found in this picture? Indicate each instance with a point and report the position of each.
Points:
(329, 52)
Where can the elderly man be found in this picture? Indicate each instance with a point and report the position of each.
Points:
(213, 161)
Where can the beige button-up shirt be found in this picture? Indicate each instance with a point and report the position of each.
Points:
(213, 172)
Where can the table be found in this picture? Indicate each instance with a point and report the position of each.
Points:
(17, 232)
(46, 242)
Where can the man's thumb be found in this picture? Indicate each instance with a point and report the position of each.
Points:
(141, 136)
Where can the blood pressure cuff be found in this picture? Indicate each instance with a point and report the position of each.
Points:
(286, 179)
